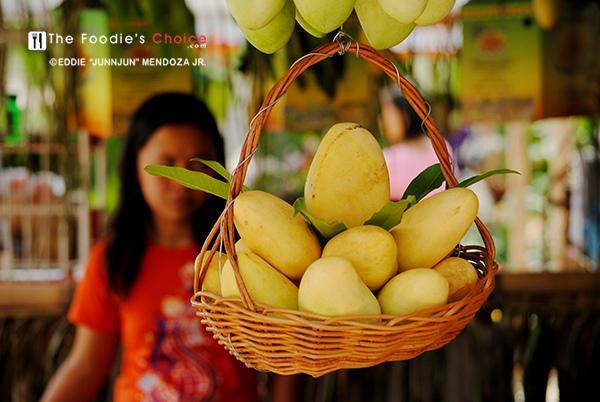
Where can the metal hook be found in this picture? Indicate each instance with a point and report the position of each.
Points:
(459, 250)
(345, 42)
(426, 116)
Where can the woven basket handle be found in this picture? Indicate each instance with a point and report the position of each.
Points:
(225, 224)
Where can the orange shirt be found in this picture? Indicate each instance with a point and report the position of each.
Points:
(167, 354)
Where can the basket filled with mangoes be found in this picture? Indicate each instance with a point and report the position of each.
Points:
(343, 277)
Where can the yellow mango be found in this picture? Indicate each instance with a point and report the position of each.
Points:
(405, 11)
(413, 290)
(254, 14)
(348, 179)
(331, 287)
(273, 36)
(269, 228)
(382, 30)
(212, 281)
(240, 246)
(430, 230)
(370, 249)
(264, 283)
(461, 276)
(325, 15)
(435, 11)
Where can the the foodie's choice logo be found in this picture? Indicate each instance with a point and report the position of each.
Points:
(36, 40)
(39, 40)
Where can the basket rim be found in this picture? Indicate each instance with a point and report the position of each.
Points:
(485, 284)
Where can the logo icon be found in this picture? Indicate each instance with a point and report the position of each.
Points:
(36, 40)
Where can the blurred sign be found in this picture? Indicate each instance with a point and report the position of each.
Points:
(94, 90)
(512, 69)
(308, 107)
(116, 79)
(501, 62)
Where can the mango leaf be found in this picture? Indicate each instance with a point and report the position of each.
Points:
(472, 180)
(190, 179)
(216, 167)
(391, 213)
(427, 181)
(219, 169)
(326, 230)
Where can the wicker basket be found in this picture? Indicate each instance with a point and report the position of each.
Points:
(287, 341)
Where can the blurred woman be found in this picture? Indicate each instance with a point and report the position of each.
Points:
(139, 278)
(409, 150)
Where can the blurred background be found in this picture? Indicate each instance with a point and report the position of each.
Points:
(512, 84)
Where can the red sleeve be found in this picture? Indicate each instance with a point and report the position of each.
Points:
(93, 305)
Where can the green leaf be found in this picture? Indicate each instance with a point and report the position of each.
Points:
(216, 167)
(427, 181)
(219, 169)
(326, 230)
(391, 213)
(472, 180)
(190, 179)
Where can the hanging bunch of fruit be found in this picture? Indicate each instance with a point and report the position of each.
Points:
(269, 24)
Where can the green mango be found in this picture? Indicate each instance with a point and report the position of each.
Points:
(325, 15)
(405, 11)
(276, 33)
(435, 11)
(382, 31)
(307, 27)
(254, 14)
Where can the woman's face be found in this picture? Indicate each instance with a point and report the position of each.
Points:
(393, 122)
(173, 145)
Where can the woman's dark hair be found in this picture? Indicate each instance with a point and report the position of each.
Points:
(411, 118)
(130, 224)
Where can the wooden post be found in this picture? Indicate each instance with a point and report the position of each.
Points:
(557, 216)
(518, 159)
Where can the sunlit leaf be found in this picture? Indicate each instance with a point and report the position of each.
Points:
(190, 179)
(391, 213)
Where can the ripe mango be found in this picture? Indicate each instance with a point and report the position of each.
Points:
(412, 291)
(240, 246)
(325, 15)
(461, 276)
(382, 30)
(430, 230)
(370, 249)
(331, 287)
(264, 283)
(405, 11)
(212, 281)
(273, 36)
(269, 228)
(254, 14)
(435, 11)
(348, 179)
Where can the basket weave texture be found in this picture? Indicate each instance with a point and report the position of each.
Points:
(289, 341)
